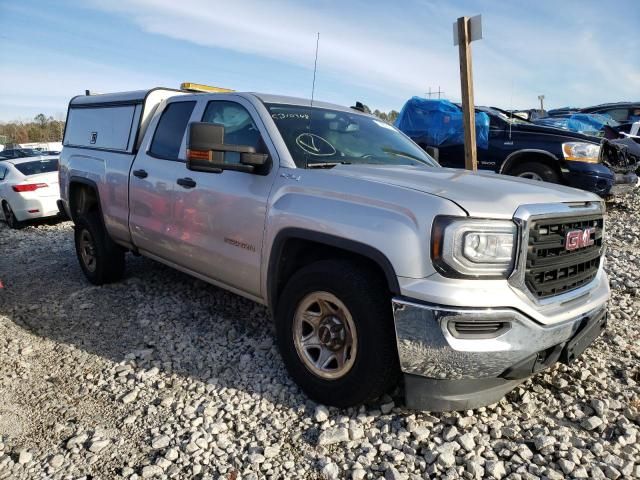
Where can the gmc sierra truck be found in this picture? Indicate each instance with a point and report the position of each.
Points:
(380, 267)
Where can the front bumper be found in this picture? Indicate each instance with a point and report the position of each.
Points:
(449, 370)
(598, 178)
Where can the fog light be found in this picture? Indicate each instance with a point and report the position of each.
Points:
(479, 330)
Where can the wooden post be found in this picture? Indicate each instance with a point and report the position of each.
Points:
(466, 82)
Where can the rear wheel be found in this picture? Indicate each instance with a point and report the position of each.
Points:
(536, 171)
(10, 217)
(335, 333)
(101, 259)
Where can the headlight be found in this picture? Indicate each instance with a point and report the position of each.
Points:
(467, 247)
(581, 152)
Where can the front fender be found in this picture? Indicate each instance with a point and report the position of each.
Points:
(391, 224)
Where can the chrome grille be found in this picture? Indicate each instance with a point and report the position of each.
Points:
(551, 269)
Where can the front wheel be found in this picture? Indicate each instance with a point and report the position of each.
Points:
(101, 260)
(335, 333)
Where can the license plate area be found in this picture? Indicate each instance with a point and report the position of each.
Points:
(591, 330)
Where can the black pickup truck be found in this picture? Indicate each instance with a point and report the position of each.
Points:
(518, 147)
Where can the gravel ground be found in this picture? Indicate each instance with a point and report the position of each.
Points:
(162, 375)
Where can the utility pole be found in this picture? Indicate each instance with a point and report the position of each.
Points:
(466, 30)
(430, 93)
(541, 98)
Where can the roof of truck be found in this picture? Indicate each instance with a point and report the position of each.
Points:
(139, 96)
(303, 102)
(135, 96)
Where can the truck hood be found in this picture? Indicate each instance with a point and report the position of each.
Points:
(481, 194)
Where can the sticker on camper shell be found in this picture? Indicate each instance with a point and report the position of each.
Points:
(93, 137)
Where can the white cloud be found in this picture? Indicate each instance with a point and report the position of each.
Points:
(390, 51)
(287, 32)
(350, 47)
(405, 49)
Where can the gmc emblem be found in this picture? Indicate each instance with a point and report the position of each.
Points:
(575, 239)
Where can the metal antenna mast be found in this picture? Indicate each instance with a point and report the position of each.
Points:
(315, 67)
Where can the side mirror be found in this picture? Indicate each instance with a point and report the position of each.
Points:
(206, 150)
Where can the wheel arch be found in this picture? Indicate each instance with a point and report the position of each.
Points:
(294, 248)
(84, 196)
(534, 155)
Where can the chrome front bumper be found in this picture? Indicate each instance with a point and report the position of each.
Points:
(478, 369)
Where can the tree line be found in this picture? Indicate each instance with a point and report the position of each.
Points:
(387, 117)
(40, 129)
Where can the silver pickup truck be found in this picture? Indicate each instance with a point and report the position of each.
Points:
(380, 267)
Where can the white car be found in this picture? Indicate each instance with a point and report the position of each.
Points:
(28, 189)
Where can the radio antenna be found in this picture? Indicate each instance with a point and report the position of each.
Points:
(511, 113)
(313, 91)
(315, 67)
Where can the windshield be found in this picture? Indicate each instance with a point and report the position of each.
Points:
(40, 166)
(318, 137)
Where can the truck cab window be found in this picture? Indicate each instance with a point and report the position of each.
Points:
(239, 127)
(170, 131)
(618, 114)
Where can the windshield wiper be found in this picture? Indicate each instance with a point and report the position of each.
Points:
(326, 164)
(403, 154)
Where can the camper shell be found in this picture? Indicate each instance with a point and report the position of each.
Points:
(122, 121)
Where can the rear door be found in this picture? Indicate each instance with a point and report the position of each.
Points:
(153, 178)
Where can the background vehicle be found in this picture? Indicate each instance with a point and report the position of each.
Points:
(43, 146)
(561, 111)
(586, 123)
(622, 112)
(514, 146)
(28, 189)
(20, 153)
(374, 260)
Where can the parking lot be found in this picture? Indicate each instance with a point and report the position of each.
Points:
(164, 375)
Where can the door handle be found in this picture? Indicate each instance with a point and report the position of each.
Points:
(186, 182)
(140, 173)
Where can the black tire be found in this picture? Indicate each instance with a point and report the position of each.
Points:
(532, 169)
(10, 217)
(375, 368)
(104, 263)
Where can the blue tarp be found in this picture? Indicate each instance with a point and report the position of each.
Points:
(438, 123)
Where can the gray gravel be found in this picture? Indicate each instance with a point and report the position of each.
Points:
(164, 376)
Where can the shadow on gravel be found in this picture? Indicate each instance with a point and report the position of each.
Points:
(156, 316)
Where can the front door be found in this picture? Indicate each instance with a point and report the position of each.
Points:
(220, 217)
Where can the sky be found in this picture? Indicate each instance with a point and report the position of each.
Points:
(379, 52)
